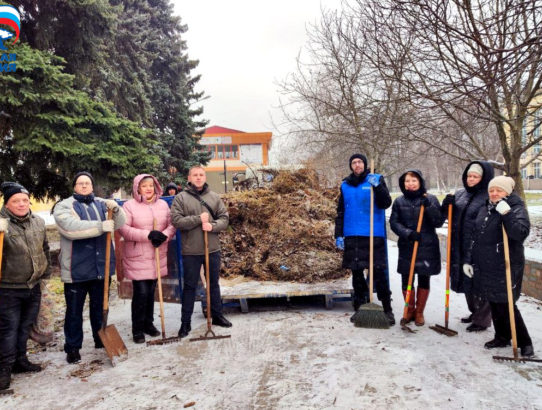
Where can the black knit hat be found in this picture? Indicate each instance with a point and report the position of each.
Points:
(11, 188)
(360, 156)
(80, 174)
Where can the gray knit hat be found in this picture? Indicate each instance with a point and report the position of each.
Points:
(507, 184)
(476, 168)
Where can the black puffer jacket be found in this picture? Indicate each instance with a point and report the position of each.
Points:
(486, 252)
(404, 220)
(468, 202)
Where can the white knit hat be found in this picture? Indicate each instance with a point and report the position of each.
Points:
(476, 168)
(507, 184)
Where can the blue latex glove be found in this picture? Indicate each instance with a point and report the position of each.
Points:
(339, 243)
(373, 179)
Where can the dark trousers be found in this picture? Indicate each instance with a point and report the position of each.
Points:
(18, 310)
(424, 281)
(361, 287)
(142, 304)
(75, 295)
(480, 309)
(192, 265)
(501, 323)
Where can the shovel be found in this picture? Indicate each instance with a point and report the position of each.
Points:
(404, 320)
(516, 358)
(109, 335)
(164, 339)
(209, 335)
(6, 391)
(438, 328)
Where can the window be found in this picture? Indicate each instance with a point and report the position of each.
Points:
(524, 173)
(536, 167)
(227, 151)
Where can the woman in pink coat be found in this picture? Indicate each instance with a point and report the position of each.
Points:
(141, 237)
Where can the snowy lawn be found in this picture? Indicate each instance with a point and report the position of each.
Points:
(292, 358)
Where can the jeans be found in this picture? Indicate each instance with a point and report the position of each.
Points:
(142, 304)
(75, 295)
(18, 311)
(192, 265)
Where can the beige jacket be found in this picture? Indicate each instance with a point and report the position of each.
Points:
(185, 216)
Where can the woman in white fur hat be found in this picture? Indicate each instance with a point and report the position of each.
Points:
(485, 259)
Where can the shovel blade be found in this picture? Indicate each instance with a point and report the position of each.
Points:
(443, 330)
(113, 344)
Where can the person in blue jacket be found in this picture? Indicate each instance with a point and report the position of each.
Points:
(352, 232)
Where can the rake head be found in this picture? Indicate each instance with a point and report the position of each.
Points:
(443, 330)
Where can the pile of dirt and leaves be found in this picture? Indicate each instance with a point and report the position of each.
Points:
(284, 232)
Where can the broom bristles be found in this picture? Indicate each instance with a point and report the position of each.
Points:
(372, 316)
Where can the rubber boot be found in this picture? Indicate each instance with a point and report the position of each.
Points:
(423, 294)
(411, 305)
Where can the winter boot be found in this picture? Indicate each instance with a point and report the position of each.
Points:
(73, 357)
(423, 294)
(411, 305)
(22, 365)
(185, 329)
(139, 338)
(386, 305)
(220, 320)
(151, 330)
(5, 377)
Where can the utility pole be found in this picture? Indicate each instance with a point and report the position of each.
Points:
(225, 179)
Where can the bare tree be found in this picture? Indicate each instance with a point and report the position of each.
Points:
(474, 62)
(336, 103)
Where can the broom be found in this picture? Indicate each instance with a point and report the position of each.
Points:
(371, 315)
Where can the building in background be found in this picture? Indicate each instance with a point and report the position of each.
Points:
(531, 160)
(233, 153)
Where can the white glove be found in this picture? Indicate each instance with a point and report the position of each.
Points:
(502, 207)
(468, 270)
(108, 226)
(112, 204)
(4, 222)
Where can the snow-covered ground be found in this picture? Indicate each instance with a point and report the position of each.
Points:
(293, 358)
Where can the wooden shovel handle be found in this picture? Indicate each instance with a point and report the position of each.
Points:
(509, 292)
(107, 262)
(207, 280)
(371, 237)
(158, 275)
(448, 265)
(413, 263)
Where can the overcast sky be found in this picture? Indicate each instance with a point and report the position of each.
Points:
(244, 47)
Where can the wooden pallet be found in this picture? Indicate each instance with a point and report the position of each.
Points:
(238, 291)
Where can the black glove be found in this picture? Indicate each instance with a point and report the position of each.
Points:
(157, 238)
(414, 236)
(448, 200)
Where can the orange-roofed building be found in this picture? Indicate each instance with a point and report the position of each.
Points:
(237, 150)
